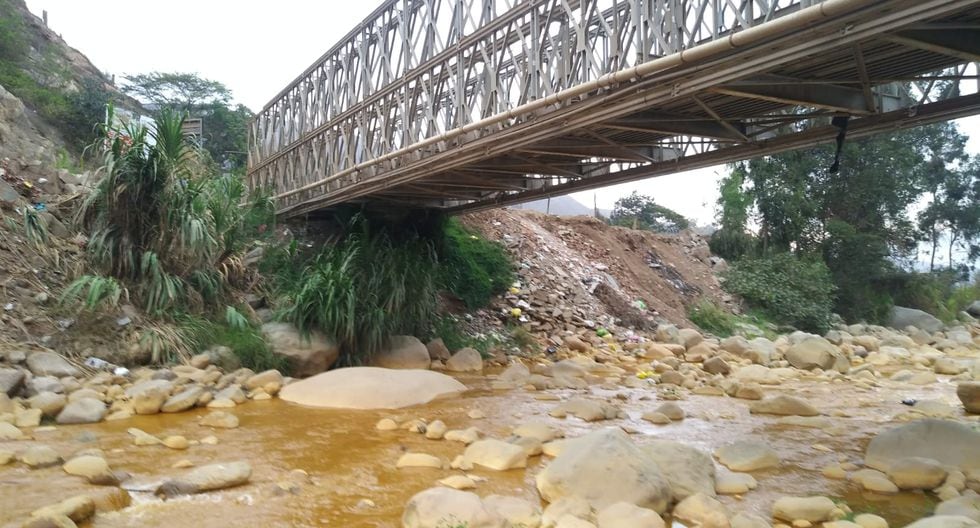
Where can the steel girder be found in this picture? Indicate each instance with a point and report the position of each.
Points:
(417, 70)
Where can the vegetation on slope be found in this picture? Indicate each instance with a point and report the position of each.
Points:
(39, 78)
(382, 280)
(863, 223)
(165, 232)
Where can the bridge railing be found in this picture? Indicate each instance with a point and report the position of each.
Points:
(415, 69)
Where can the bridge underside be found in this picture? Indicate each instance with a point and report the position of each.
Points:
(777, 95)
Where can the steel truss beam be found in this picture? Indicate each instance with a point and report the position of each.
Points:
(436, 101)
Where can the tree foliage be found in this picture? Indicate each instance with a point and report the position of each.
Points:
(731, 240)
(858, 220)
(639, 211)
(177, 91)
(225, 125)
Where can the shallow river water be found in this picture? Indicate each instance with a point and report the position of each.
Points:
(348, 460)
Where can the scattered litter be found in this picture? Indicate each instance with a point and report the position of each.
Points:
(98, 364)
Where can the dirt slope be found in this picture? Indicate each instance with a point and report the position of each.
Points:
(597, 272)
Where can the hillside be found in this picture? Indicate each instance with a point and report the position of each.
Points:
(598, 272)
(49, 93)
(561, 206)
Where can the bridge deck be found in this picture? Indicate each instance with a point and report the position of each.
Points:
(479, 137)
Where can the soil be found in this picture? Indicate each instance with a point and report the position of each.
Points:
(668, 272)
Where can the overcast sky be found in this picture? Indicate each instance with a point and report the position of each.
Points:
(257, 48)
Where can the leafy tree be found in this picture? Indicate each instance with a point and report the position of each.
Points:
(179, 91)
(856, 218)
(731, 240)
(946, 184)
(641, 212)
(954, 211)
(225, 125)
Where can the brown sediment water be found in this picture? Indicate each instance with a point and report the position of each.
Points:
(349, 461)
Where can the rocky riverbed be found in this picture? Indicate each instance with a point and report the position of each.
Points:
(864, 427)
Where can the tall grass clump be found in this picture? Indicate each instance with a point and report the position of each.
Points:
(244, 340)
(164, 227)
(371, 285)
(472, 268)
(709, 317)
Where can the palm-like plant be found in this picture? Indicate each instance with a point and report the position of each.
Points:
(159, 221)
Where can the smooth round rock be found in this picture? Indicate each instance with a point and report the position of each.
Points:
(371, 388)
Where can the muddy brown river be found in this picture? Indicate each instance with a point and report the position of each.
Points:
(353, 481)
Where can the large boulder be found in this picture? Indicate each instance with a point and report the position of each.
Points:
(817, 352)
(626, 515)
(465, 360)
(442, 507)
(438, 351)
(812, 509)
(783, 405)
(208, 478)
(969, 394)
(371, 388)
(759, 350)
(516, 511)
(688, 469)
(11, 380)
(916, 473)
(605, 467)
(944, 441)
(702, 511)
(148, 396)
(51, 364)
(974, 308)
(403, 352)
(306, 355)
(494, 454)
(82, 411)
(749, 454)
(902, 317)
(93, 468)
(944, 521)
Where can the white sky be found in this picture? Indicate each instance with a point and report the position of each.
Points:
(257, 48)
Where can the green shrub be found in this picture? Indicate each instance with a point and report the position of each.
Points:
(858, 262)
(709, 317)
(790, 290)
(363, 290)
(76, 112)
(472, 268)
(731, 245)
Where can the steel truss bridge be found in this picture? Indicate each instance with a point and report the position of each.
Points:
(471, 104)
